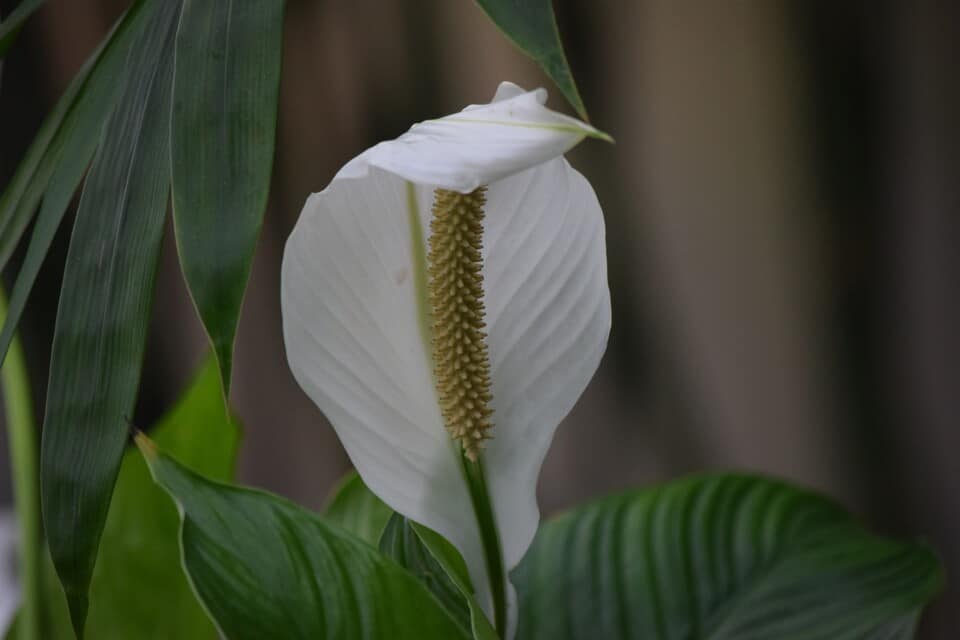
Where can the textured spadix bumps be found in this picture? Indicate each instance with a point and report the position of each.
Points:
(460, 357)
(366, 334)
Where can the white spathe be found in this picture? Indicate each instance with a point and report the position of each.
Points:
(353, 298)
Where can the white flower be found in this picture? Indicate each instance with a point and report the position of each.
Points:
(358, 304)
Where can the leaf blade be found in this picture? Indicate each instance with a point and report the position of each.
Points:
(140, 539)
(10, 27)
(532, 26)
(21, 195)
(355, 508)
(103, 314)
(265, 567)
(58, 167)
(720, 557)
(226, 88)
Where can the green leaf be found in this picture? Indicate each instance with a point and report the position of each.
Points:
(355, 508)
(20, 197)
(104, 310)
(266, 568)
(10, 27)
(140, 539)
(532, 26)
(401, 542)
(720, 557)
(226, 86)
(439, 566)
(57, 162)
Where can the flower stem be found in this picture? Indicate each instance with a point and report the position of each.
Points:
(23, 464)
(483, 509)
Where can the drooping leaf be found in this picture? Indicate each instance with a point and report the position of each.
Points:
(720, 557)
(355, 508)
(224, 116)
(10, 26)
(20, 197)
(59, 167)
(104, 310)
(140, 540)
(266, 568)
(532, 26)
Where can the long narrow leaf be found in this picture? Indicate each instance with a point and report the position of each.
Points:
(104, 311)
(10, 26)
(265, 568)
(68, 155)
(21, 196)
(224, 117)
(532, 26)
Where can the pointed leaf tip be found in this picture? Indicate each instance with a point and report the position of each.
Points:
(532, 26)
(147, 447)
(79, 604)
(226, 86)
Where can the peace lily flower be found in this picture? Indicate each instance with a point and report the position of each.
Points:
(445, 303)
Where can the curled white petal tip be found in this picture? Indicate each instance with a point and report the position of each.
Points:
(479, 145)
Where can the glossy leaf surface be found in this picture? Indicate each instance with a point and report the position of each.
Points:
(722, 557)
(266, 568)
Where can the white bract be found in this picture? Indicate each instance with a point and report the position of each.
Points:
(357, 315)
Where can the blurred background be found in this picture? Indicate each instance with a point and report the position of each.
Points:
(782, 212)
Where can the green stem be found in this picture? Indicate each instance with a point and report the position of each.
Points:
(23, 464)
(483, 509)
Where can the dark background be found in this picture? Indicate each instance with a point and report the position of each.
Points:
(782, 207)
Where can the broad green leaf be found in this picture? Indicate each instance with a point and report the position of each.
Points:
(266, 568)
(532, 26)
(139, 542)
(10, 26)
(105, 302)
(720, 557)
(59, 167)
(226, 86)
(355, 508)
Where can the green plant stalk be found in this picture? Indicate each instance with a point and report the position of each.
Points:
(22, 435)
(483, 509)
